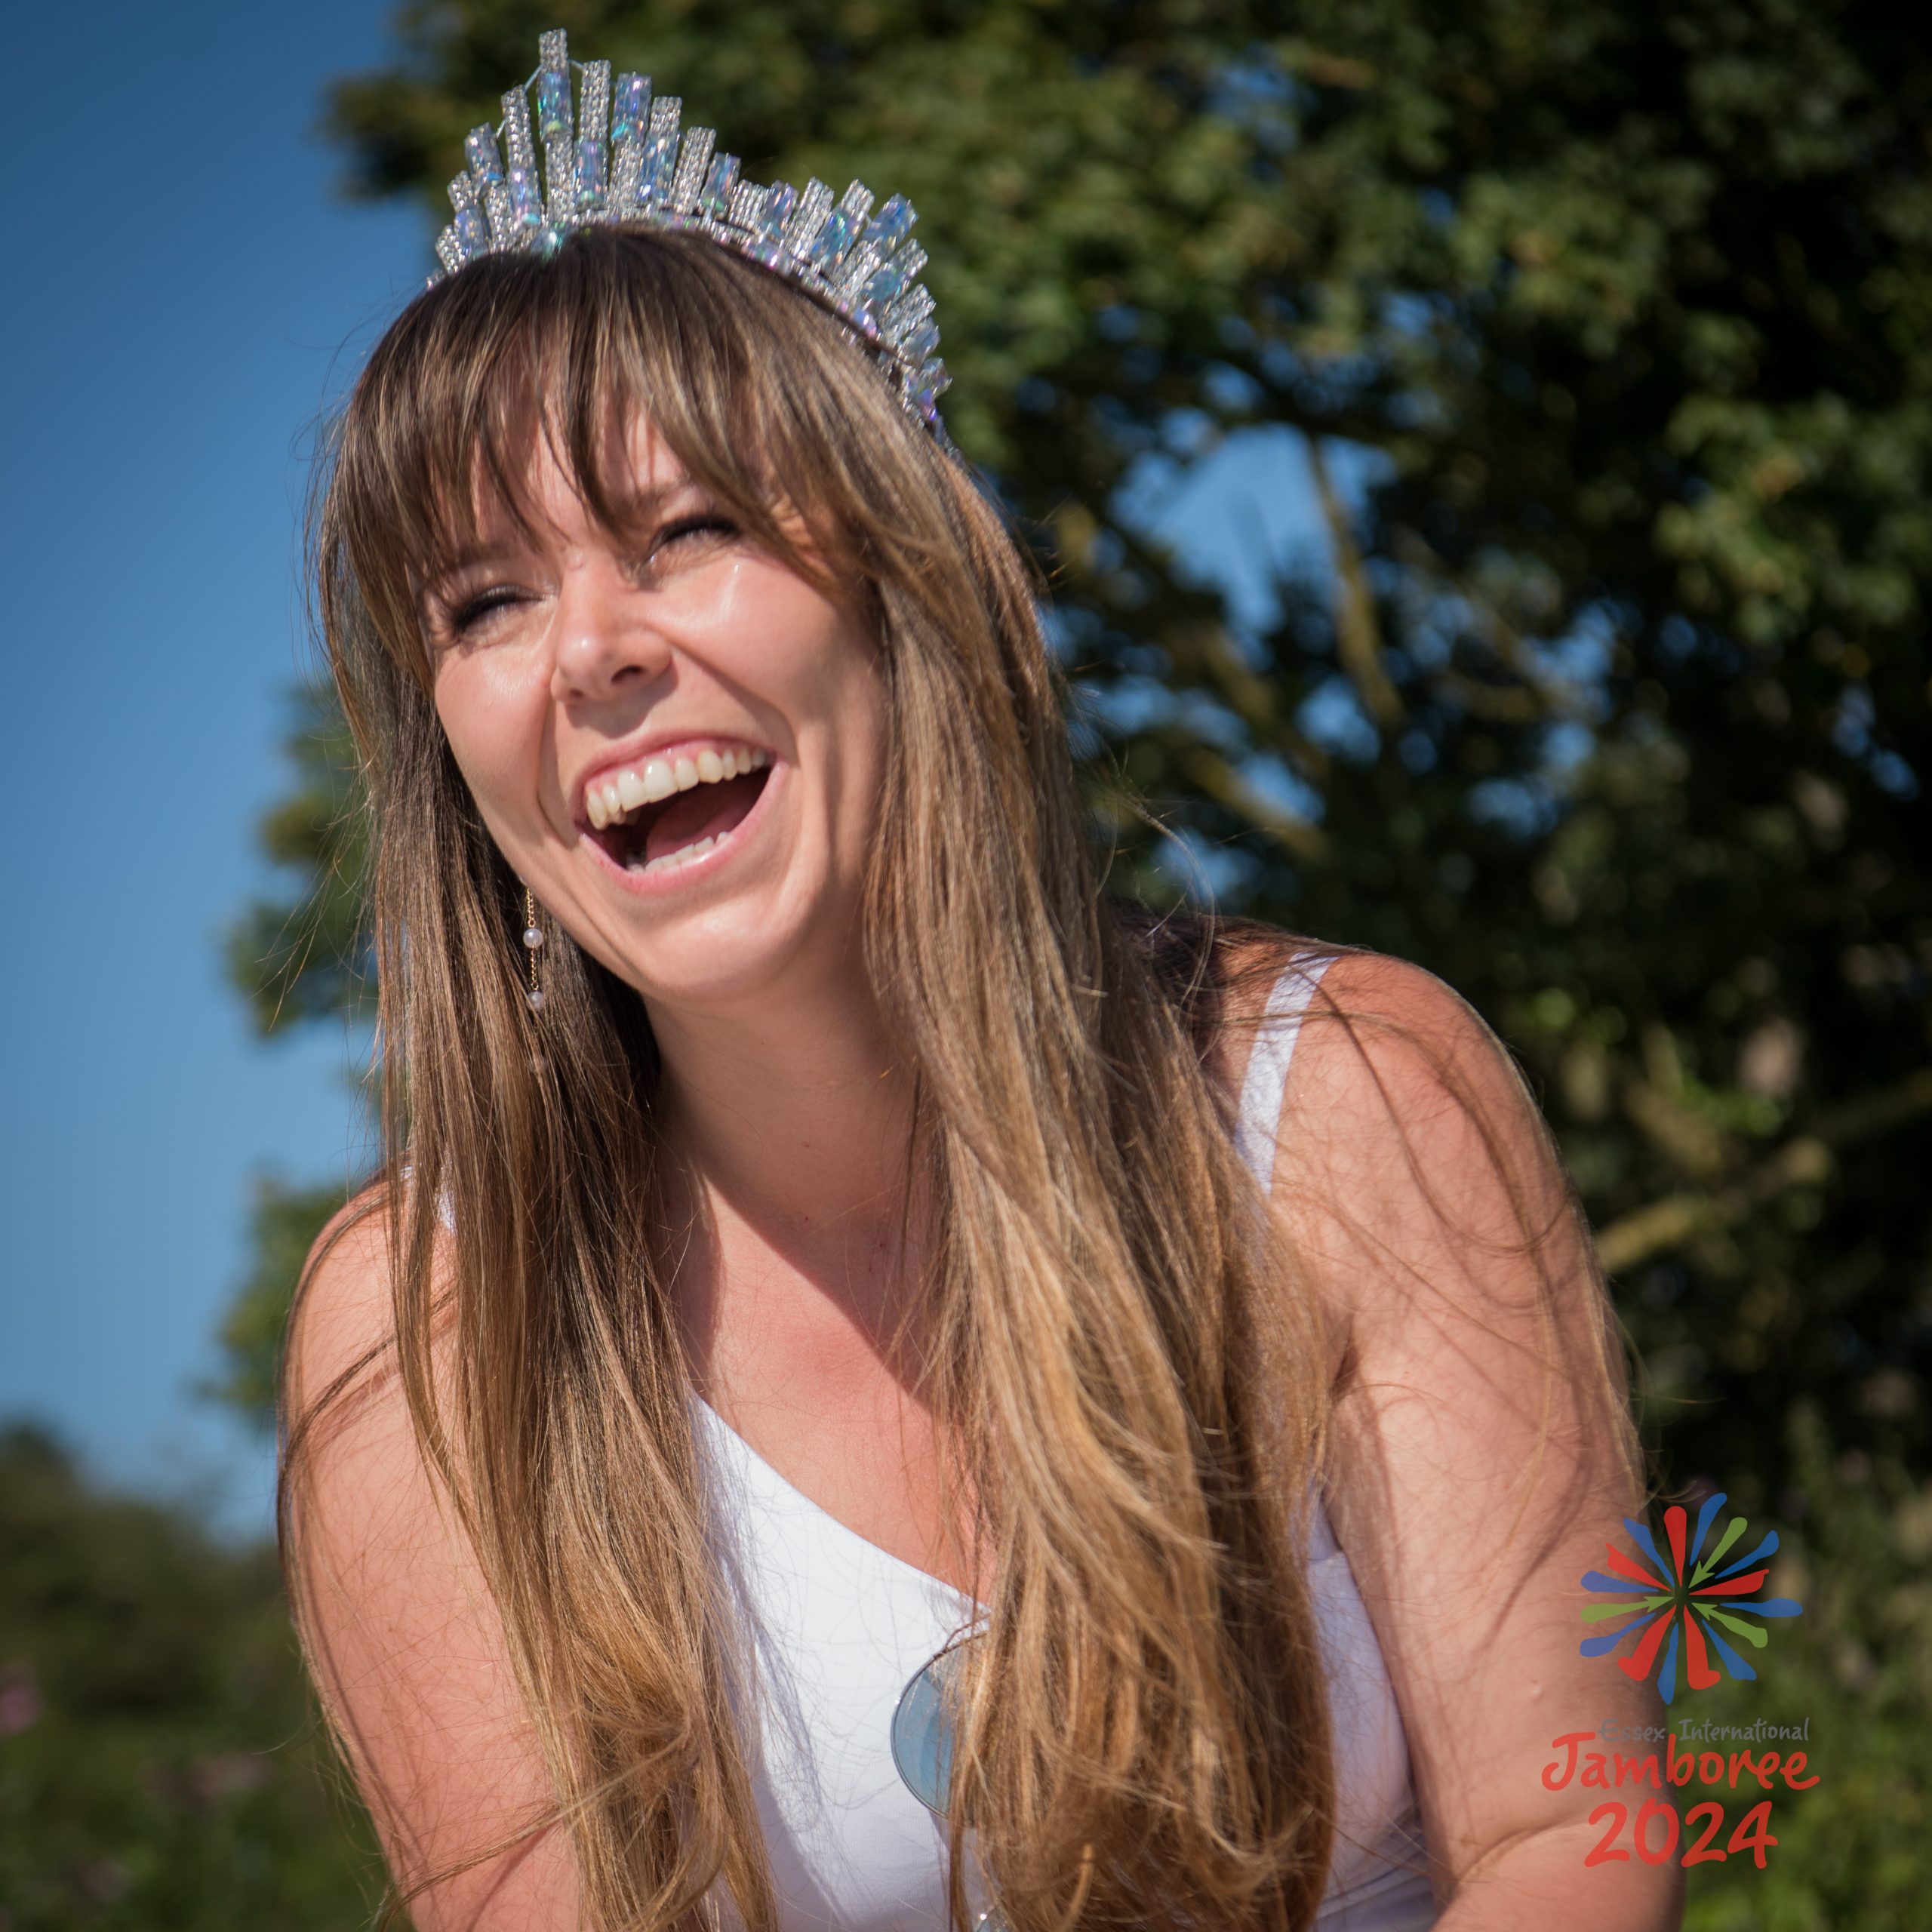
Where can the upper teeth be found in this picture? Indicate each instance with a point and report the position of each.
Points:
(619, 792)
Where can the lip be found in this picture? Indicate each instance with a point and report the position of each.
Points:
(686, 744)
(669, 879)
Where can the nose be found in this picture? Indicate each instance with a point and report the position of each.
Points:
(605, 642)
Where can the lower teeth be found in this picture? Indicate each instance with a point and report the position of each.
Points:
(677, 858)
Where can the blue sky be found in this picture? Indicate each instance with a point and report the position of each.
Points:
(175, 324)
(178, 310)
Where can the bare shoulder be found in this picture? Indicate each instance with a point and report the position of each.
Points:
(1384, 1052)
(1481, 1447)
(356, 1482)
(399, 1628)
(340, 1324)
(1384, 1038)
(1425, 1208)
(1406, 1124)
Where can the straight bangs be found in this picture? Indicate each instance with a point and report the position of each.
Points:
(749, 384)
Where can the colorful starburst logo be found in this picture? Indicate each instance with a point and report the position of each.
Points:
(1683, 1603)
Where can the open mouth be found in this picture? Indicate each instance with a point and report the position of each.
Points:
(666, 812)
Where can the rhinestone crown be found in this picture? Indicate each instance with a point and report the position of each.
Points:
(619, 155)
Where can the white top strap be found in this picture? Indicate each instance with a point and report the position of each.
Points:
(1258, 1127)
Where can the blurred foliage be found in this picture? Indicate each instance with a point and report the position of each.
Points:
(161, 1768)
(297, 956)
(304, 957)
(1857, 1664)
(1605, 336)
(1614, 708)
(282, 1228)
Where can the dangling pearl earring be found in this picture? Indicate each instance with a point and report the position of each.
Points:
(533, 940)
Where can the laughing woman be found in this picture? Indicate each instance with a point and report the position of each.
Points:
(879, 1387)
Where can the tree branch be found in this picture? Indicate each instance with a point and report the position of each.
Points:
(1807, 1160)
(1358, 642)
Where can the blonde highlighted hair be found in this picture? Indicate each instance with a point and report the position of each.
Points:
(1131, 1392)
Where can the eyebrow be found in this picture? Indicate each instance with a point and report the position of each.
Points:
(435, 585)
(632, 507)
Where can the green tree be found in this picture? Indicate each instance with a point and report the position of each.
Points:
(1612, 703)
(283, 1225)
(160, 1765)
(298, 956)
(303, 955)
(1613, 706)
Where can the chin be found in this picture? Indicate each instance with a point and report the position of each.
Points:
(732, 952)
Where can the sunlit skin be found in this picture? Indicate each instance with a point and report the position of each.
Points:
(552, 662)
(555, 660)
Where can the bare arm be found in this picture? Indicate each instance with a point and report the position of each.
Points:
(407, 1650)
(1474, 1476)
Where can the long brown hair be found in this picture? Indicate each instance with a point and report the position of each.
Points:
(1133, 1401)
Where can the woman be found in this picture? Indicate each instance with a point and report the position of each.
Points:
(819, 1224)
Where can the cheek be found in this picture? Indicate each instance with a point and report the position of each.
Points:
(494, 723)
(817, 663)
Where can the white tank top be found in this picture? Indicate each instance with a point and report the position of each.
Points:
(835, 1628)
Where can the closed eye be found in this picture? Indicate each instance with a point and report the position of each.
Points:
(465, 616)
(456, 617)
(685, 535)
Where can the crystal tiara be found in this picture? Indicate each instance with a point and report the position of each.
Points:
(621, 157)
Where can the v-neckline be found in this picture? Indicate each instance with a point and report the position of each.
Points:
(777, 1480)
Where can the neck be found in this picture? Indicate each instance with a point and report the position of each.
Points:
(787, 1121)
